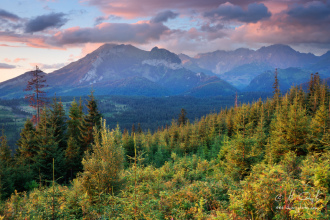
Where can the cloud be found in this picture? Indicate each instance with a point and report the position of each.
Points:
(40, 23)
(16, 60)
(101, 19)
(26, 40)
(49, 66)
(212, 28)
(6, 66)
(8, 15)
(300, 24)
(313, 13)
(254, 13)
(142, 8)
(164, 16)
(7, 45)
(110, 32)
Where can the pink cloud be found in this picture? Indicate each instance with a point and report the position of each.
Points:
(15, 60)
(19, 60)
(142, 8)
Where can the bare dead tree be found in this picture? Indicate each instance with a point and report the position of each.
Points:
(37, 98)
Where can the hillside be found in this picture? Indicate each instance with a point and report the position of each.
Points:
(287, 78)
(238, 163)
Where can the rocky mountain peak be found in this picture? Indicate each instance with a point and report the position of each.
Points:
(163, 54)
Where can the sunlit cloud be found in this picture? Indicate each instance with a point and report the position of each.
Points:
(134, 9)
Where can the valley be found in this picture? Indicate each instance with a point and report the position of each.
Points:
(151, 113)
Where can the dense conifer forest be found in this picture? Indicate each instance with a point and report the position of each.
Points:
(151, 112)
(265, 160)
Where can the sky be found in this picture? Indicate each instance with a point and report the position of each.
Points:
(54, 33)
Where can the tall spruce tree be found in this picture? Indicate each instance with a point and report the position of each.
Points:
(58, 122)
(289, 131)
(319, 139)
(276, 87)
(27, 145)
(48, 149)
(91, 119)
(6, 183)
(74, 153)
(5, 155)
(182, 117)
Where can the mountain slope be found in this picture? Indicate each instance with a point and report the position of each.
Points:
(241, 76)
(116, 69)
(287, 78)
(212, 87)
(276, 56)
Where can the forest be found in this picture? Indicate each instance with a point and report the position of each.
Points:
(150, 112)
(266, 160)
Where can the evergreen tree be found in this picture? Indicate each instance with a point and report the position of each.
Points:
(316, 93)
(57, 121)
(276, 85)
(128, 145)
(48, 148)
(238, 158)
(289, 131)
(103, 166)
(5, 155)
(319, 136)
(25, 158)
(27, 145)
(73, 157)
(276, 88)
(93, 118)
(139, 129)
(74, 153)
(6, 183)
(182, 117)
(133, 128)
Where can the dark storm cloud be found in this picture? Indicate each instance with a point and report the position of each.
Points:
(8, 15)
(111, 32)
(164, 16)
(254, 13)
(40, 23)
(6, 66)
(315, 12)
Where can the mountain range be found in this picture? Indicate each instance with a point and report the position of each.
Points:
(126, 70)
